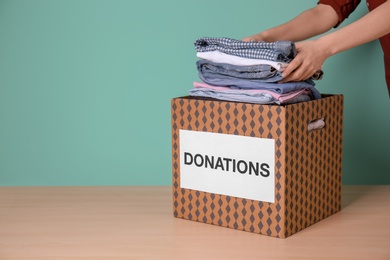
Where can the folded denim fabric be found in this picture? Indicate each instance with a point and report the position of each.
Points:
(263, 73)
(283, 51)
(233, 82)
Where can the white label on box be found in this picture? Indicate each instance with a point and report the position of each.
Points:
(231, 165)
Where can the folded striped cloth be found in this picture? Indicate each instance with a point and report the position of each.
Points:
(283, 51)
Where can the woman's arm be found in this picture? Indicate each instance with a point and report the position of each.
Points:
(311, 22)
(313, 53)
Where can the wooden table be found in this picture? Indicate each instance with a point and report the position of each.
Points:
(138, 223)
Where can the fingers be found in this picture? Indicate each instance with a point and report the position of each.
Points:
(294, 64)
(248, 39)
(308, 60)
(296, 75)
(295, 71)
(299, 69)
(254, 38)
(299, 73)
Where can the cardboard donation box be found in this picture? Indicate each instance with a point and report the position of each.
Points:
(255, 167)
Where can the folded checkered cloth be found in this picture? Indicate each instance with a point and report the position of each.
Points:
(283, 51)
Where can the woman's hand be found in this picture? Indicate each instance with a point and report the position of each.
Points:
(308, 60)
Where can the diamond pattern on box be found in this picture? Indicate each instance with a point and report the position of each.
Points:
(307, 164)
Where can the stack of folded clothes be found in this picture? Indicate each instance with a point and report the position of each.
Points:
(249, 72)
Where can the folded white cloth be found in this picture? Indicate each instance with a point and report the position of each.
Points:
(220, 57)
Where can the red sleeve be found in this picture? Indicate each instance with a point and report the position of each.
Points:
(343, 8)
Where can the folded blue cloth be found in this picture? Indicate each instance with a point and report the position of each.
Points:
(263, 73)
(212, 78)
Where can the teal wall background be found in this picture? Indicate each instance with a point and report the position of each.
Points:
(85, 87)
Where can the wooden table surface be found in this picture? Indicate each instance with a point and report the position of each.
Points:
(138, 223)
